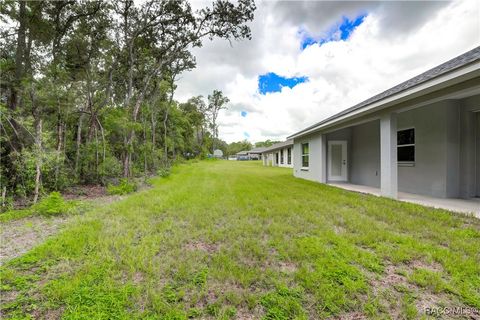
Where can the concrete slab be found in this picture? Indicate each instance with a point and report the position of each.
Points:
(457, 205)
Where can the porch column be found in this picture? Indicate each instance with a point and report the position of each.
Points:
(388, 155)
(323, 158)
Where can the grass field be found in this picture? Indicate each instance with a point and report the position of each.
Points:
(235, 240)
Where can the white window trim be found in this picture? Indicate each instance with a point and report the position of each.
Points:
(407, 163)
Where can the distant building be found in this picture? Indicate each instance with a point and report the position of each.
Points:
(279, 155)
(218, 153)
(242, 155)
(256, 153)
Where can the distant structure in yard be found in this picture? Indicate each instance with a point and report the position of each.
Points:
(279, 155)
(256, 153)
(218, 153)
(242, 155)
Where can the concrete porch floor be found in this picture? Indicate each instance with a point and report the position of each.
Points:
(457, 205)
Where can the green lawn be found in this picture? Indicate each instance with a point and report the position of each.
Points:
(229, 240)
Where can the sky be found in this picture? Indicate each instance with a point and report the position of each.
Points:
(308, 60)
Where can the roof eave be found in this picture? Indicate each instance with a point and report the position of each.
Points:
(455, 76)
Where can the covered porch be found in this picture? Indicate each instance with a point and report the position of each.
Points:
(428, 154)
(468, 206)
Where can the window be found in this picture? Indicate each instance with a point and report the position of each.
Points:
(289, 156)
(281, 156)
(406, 145)
(305, 155)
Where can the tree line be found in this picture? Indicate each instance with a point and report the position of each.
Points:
(87, 88)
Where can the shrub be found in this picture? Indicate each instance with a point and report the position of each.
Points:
(124, 187)
(110, 168)
(53, 204)
(164, 172)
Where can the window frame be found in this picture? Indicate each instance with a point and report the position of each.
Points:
(282, 155)
(305, 155)
(407, 163)
(289, 155)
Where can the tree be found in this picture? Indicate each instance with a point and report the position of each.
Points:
(216, 102)
(236, 147)
(87, 88)
(266, 143)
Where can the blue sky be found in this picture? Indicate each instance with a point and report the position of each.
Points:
(326, 55)
(272, 82)
(340, 31)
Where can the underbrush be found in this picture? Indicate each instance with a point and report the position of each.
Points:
(51, 205)
(124, 187)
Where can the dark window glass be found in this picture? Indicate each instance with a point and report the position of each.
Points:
(305, 148)
(406, 137)
(305, 155)
(305, 161)
(406, 153)
(281, 156)
(289, 156)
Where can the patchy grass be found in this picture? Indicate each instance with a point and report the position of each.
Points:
(233, 240)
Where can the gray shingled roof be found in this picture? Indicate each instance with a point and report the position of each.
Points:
(257, 150)
(279, 145)
(455, 63)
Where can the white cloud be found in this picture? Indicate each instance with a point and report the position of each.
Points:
(395, 42)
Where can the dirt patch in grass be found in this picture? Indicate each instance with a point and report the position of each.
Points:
(201, 246)
(8, 296)
(246, 314)
(432, 266)
(350, 316)
(396, 291)
(50, 314)
(85, 192)
(390, 279)
(19, 236)
(287, 267)
(138, 277)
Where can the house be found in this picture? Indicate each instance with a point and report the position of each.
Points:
(256, 153)
(279, 155)
(242, 155)
(420, 137)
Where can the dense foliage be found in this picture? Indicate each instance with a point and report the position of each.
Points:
(87, 88)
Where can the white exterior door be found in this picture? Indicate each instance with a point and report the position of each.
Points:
(337, 160)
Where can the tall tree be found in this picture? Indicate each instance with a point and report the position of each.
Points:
(216, 102)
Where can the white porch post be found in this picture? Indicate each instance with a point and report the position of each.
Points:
(388, 155)
(323, 158)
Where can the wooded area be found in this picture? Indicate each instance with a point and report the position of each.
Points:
(87, 89)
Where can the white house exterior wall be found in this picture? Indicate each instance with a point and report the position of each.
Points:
(271, 156)
(447, 161)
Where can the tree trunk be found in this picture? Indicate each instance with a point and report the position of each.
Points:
(126, 159)
(153, 125)
(145, 164)
(79, 142)
(96, 153)
(126, 165)
(19, 54)
(103, 140)
(59, 148)
(165, 145)
(38, 160)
